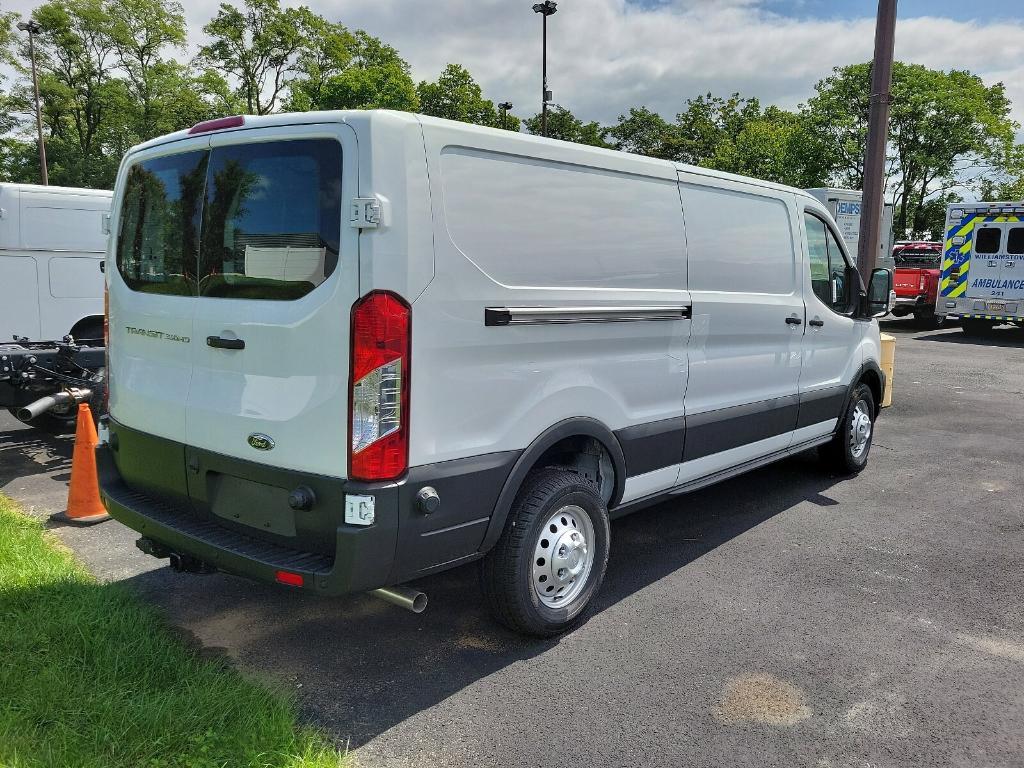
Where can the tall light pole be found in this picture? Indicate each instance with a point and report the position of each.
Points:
(32, 27)
(545, 9)
(878, 134)
(505, 106)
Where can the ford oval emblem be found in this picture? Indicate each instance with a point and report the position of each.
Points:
(261, 442)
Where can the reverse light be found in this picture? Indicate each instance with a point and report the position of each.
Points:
(921, 282)
(379, 391)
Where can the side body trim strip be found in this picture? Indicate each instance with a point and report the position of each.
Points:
(651, 446)
(821, 405)
(501, 316)
(725, 428)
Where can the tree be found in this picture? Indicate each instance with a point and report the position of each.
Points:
(7, 38)
(643, 132)
(8, 58)
(1010, 184)
(106, 83)
(729, 134)
(260, 47)
(85, 108)
(141, 30)
(564, 125)
(456, 96)
(352, 70)
(947, 131)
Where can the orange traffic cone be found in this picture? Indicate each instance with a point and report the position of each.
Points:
(84, 505)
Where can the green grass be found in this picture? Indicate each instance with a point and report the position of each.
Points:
(90, 676)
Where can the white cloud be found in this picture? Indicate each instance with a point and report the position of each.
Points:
(608, 55)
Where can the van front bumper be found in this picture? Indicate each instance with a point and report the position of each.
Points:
(144, 484)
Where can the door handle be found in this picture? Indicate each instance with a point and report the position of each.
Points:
(221, 343)
(816, 323)
(793, 320)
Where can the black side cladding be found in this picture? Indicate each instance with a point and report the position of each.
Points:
(652, 446)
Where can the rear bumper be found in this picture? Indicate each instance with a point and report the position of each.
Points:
(916, 303)
(403, 543)
(969, 308)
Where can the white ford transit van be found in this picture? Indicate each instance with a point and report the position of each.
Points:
(348, 349)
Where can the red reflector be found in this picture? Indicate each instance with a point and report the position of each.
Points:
(291, 579)
(219, 124)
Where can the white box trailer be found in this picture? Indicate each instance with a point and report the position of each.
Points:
(845, 206)
(982, 277)
(52, 244)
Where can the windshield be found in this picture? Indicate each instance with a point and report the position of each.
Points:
(253, 221)
(918, 257)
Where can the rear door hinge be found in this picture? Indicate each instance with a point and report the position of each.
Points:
(366, 213)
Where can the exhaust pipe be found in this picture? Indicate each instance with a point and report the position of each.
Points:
(66, 397)
(410, 599)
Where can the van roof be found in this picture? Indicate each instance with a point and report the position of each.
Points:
(639, 163)
(82, 191)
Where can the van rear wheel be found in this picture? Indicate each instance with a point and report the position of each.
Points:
(543, 573)
(848, 452)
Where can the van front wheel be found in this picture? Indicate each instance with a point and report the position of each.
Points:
(848, 452)
(543, 573)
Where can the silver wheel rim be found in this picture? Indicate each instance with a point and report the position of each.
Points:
(860, 429)
(563, 556)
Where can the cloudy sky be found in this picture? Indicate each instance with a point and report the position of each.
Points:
(607, 55)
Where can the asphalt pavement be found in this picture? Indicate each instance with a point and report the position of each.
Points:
(785, 618)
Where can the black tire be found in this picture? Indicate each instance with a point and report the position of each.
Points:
(840, 456)
(929, 320)
(89, 330)
(974, 327)
(507, 572)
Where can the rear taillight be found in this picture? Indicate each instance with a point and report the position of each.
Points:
(922, 282)
(106, 350)
(379, 394)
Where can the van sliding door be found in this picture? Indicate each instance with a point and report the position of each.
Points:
(748, 316)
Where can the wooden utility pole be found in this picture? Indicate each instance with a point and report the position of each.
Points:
(878, 134)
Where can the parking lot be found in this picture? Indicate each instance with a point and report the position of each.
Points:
(783, 618)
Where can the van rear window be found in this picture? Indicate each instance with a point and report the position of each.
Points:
(1015, 241)
(158, 242)
(986, 240)
(265, 224)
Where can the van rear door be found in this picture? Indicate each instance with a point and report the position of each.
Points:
(997, 263)
(152, 290)
(277, 277)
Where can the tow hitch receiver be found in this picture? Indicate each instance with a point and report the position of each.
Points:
(178, 562)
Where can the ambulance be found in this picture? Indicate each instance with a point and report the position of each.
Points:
(982, 277)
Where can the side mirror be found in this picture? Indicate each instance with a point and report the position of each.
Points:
(878, 301)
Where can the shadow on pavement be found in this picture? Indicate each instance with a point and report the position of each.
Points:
(360, 666)
(25, 451)
(1002, 336)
